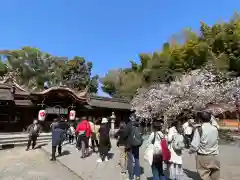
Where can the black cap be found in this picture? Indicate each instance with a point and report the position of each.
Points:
(204, 116)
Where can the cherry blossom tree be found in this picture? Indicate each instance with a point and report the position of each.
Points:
(192, 91)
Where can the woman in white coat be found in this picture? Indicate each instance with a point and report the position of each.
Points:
(175, 163)
(155, 139)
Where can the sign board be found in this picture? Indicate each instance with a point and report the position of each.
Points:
(57, 110)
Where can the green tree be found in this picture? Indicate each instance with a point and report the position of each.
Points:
(216, 45)
(36, 67)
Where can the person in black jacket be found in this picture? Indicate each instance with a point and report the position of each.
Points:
(133, 136)
(121, 143)
(57, 139)
(104, 140)
(63, 124)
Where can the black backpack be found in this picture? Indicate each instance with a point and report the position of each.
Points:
(136, 137)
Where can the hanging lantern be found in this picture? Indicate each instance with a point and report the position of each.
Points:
(72, 115)
(41, 115)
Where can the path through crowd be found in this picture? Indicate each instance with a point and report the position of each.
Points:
(21, 165)
(89, 169)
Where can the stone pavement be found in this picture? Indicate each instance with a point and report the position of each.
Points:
(18, 164)
(89, 169)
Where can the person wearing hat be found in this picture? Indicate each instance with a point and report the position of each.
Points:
(104, 140)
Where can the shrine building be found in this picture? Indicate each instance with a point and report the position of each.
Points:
(18, 107)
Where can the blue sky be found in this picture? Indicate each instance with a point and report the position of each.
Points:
(107, 32)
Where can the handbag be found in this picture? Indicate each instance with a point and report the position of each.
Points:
(166, 154)
(148, 154)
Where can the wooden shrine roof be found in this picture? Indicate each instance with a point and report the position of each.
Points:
(105, 102)
(92, 101)
(6, 95)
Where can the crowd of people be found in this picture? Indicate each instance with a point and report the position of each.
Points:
(82, 133)
(200, 138)
(164, 147)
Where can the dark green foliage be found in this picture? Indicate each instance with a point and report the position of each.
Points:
(36, 67)
(218, 45)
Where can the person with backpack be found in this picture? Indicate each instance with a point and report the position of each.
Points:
(134, 140)
(155, 138)
(176, 146)
(205, 144)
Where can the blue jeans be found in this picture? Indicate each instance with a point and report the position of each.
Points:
(133, 165)
(157, 168)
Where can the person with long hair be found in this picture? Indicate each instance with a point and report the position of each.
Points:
(121, 144)
(94, 137)
(155, 138)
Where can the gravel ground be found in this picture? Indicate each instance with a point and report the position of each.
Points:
(18, 164)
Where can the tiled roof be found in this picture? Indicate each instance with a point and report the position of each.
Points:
(6, 95)
(112, 103)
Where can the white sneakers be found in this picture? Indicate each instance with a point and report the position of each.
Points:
(100, 160)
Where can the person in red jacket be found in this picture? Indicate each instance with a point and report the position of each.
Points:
(84, 132)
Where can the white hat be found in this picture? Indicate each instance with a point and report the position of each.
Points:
(191, 120)
(104, 120)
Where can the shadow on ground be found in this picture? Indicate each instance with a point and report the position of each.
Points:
(151, 178)
(191, 174)
(142, 170)
(65, 153)
(110, 155)
(39, 146)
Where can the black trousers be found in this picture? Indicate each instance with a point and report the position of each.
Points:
(94, 143)
(54, 148)
(77, 142)
(32, 139)
(103, 152)
(71, 138)
(188, 139)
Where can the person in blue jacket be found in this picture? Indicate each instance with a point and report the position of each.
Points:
(57, 139)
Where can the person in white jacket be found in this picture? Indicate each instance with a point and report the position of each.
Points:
(155, 139)
(175, 163)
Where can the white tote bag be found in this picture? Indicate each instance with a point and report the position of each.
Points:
(148, 154)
